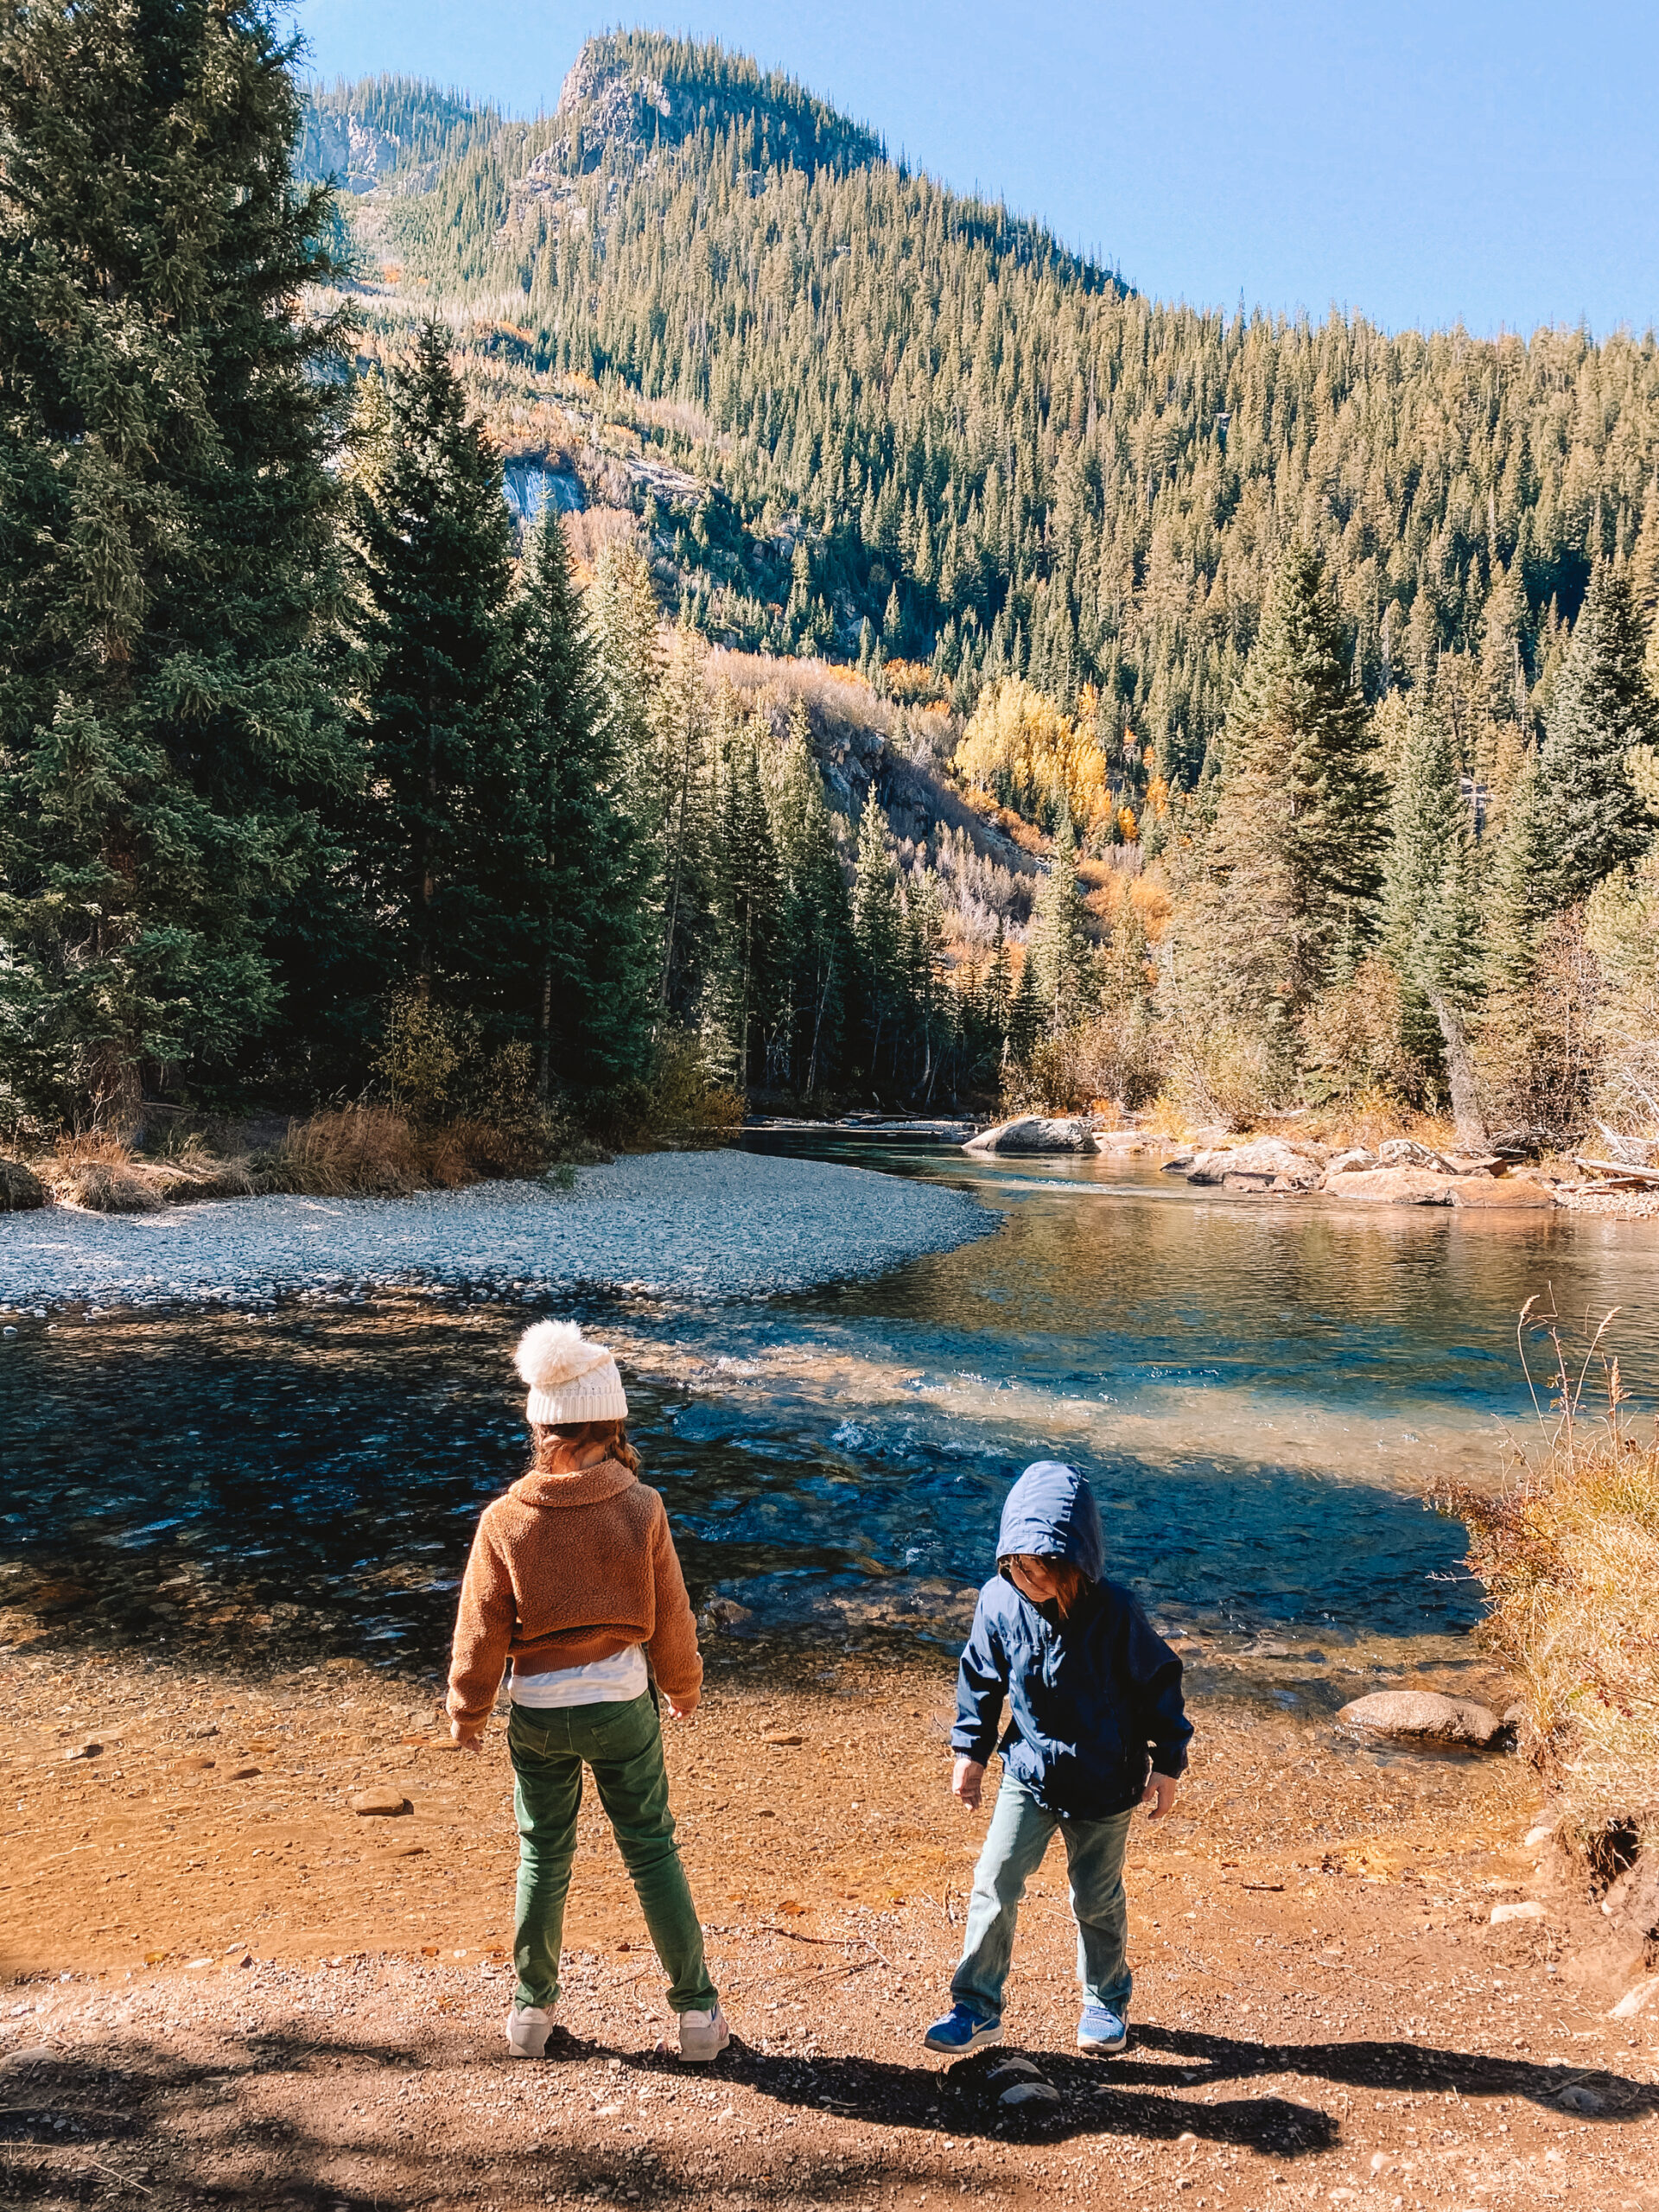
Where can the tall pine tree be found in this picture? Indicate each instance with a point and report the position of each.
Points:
(1601, 706)
(446, 838)
(1431, 926)
(169, 582)
(1298, 728)
(584, 902)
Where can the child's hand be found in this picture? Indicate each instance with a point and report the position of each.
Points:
(683, 1708)
(1160, 1794)
(467, 1743)
(965, 1778)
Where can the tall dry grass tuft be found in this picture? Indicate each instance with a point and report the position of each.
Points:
(1569, 1553)
(369, 1149)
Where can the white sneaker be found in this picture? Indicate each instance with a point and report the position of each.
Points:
(528, 2029)
(703, 2035)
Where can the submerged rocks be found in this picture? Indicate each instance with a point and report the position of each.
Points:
(1266, 1164)
(1423, 1716)
(21, 1188)
(1035, 1132)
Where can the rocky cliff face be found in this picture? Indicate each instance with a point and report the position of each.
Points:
(637, 90)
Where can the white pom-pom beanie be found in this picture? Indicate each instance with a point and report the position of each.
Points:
(569, 1379)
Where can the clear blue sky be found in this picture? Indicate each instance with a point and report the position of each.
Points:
(1422, 161)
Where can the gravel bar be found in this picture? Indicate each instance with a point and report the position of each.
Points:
(705, 1225)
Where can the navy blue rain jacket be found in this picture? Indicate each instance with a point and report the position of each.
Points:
(1095, 1704)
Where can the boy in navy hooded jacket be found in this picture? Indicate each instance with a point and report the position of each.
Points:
(1097, 1726)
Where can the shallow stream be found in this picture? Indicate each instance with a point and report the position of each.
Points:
(1260, 1388)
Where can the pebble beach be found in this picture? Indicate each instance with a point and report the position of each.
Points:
(701, 1225)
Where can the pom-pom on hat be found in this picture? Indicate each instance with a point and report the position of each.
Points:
(569, 1379)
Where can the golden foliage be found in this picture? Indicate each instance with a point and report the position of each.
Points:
(1018, 744)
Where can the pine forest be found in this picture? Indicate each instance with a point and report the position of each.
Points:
(584, 624)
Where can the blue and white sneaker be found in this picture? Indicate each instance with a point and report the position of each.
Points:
(960, 2032)
(1101, 2034)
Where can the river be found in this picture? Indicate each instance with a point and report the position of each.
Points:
(1260, 1388)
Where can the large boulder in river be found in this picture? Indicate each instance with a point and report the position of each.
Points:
(1392, 1187)
(1034, 1133)
(1423, 1717)
(1266, 1164)
(21, 1189)
(1494, 1194)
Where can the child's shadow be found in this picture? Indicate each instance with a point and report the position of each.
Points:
(1131, 2095)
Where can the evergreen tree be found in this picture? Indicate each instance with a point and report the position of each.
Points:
(875, 924)
(1298, 726)
(682, 721)
(169, 582)
(740, 987)
(584, 905)
(447, 840)
(1059, 939)
(815, 941)
(1600, 708)
(1025, 1013)
(1431, 930)
(628, 661)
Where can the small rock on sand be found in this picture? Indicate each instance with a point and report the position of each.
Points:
(1644, 1996)
(381, 1799)
(1526, 1909)
(1428, 1716)
(1034, 1133)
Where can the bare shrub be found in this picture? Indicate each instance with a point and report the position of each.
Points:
(590, 529)
(1568, 1550)
(1542, 1050)
(1353, 1040)
(1114, 1061)
(1228, 1073)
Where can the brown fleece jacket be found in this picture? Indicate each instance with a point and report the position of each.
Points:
(566, 1569)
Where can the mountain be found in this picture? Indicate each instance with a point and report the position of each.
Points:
(387, 130)
(857, 411)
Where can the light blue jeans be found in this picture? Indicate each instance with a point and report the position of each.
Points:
(1016, 1843)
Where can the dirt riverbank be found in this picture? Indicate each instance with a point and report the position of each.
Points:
(228, 1989)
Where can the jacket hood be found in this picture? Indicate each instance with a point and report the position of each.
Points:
(1050, 1513)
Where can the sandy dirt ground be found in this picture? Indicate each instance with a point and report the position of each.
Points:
(224, 1988)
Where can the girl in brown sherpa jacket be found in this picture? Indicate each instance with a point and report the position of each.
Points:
(574, 1581)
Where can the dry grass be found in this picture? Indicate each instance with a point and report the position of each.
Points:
(367, 1151)
(100, 1172)
(1569, 1553)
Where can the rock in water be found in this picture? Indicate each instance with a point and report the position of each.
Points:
(1425, 1716)
(21, 1189)
(381, 1799)
(1034, 1133)
(1489, 1193)
(1392, 1187)
(1268, 1164)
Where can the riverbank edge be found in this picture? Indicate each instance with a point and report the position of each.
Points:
(704, 1225)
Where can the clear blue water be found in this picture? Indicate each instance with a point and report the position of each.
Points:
(1259, 1388)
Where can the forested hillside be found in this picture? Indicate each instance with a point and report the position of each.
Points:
(999, 458)
(658, 603)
